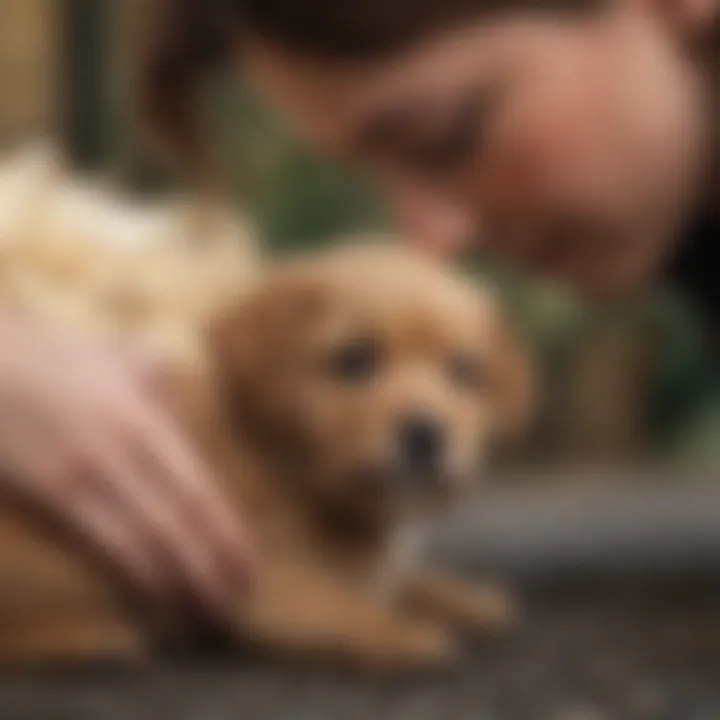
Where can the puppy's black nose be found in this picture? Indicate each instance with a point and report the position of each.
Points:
(422, 444)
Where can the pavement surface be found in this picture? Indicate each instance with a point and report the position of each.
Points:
(630, 640)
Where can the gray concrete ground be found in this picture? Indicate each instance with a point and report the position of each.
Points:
(602, 640)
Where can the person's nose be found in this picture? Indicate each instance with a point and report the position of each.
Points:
(432, 222)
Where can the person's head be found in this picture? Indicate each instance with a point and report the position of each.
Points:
(574, 135)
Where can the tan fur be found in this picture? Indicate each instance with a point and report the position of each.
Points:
(305, 456)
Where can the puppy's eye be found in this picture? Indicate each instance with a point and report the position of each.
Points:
(466, 372)
(355, 362)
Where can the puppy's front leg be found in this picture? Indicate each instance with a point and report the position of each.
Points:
(301, 610)
(57, 640)
(459, 602)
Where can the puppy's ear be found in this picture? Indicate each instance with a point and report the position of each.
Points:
(254, 339)
(513, 383)
(233, 344)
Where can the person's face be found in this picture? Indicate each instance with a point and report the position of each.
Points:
(573, 145)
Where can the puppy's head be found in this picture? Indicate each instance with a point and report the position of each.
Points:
(373, 375)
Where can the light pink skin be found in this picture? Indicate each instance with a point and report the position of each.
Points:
(82, 436)
(593, 144)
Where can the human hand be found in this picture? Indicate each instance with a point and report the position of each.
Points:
(82, 436)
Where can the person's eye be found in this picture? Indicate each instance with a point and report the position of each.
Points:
(356, 361)
(449, 149)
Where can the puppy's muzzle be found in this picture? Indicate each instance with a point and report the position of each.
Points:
(421, 447)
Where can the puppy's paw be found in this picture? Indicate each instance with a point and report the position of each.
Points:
(479, 608)
(411, 646)
(486, 609)
(431, 645)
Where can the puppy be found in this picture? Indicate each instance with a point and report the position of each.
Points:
(352, 396)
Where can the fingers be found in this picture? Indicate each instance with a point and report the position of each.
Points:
(105, 488)
(88, 443)
(152, 504)
(118, 541)
(62, 480)
(59, 482)
(155, 439)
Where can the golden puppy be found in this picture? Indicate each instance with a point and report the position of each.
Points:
(353, 395)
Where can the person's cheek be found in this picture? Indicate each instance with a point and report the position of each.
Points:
(550, 162)
(521, 182)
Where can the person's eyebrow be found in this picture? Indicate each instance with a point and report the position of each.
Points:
(389, 128)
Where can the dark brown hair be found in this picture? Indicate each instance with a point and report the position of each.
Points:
(185, 39)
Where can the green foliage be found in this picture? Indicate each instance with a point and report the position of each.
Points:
(298, 200)
(311, 203)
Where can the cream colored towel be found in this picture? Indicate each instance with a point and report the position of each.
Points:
(77, 254)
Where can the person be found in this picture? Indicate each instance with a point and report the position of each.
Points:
(577, 137)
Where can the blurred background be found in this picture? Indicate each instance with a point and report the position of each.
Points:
(628, 383)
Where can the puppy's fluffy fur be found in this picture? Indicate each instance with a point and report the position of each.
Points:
(349, 397)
